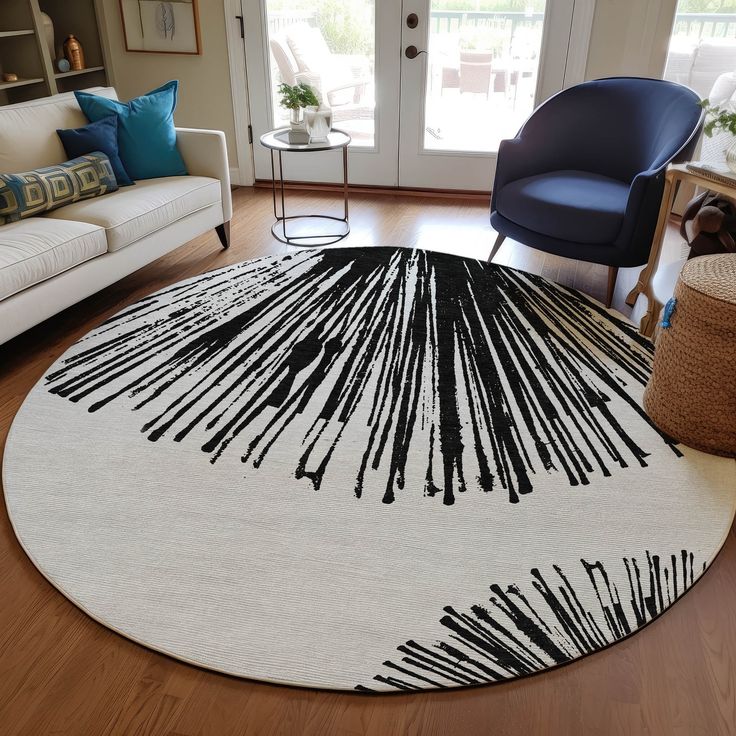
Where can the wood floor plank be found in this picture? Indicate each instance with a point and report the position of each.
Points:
(62, 673)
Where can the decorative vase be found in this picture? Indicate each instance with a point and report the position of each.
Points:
(48, 32)
(296, 117)
(74, 53)
(731, 156)
(318, 121)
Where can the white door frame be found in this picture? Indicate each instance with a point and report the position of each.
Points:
(368, 165)
(563, 57)
(580, 27)
(579, 46)
(244, 173)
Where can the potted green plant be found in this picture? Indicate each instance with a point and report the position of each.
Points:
(721, 119)
(295, 98)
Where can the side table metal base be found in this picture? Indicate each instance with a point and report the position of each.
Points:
(278, 230)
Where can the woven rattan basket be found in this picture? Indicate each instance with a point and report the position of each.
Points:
(691, 394)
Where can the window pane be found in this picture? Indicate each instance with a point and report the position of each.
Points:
(483, 63)
(329, 45)
(702, 55)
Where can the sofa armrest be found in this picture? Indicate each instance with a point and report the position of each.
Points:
(205, 154)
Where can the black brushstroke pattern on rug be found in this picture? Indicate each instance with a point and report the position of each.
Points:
(525, 631)
(495, 375)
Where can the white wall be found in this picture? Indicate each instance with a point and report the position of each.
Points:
(630, 38)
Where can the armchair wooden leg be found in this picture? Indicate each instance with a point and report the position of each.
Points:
(496, 246)
(223, 232)
(612, 274)
(632, 295)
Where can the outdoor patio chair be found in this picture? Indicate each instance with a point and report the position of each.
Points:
(302, 55)
(584, 176)
(699, 66)
(475, 72)
(450, 78)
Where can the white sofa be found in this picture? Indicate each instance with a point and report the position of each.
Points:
(50, 262)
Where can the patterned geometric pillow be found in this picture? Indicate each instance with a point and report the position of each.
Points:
(32, 192)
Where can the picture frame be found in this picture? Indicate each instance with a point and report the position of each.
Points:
(161, 26)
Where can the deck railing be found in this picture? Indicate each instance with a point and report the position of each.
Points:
(278, 21)
(693, 25)
(705, 25)
(449, 21)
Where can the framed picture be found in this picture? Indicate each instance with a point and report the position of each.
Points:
(152, 26)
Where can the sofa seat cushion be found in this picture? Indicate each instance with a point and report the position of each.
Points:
(152, 204)
(575, 206)
(38, 248)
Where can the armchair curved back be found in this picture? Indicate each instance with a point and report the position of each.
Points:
(617, 127)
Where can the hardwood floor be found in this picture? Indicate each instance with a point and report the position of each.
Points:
(62, 673)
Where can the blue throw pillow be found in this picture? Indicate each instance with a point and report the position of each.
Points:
(146, 134)
(99, 136)
(38, 191)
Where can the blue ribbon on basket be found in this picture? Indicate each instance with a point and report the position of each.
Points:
(669, 310)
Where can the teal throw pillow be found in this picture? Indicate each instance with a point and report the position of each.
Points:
(34, 192)
(146, 133)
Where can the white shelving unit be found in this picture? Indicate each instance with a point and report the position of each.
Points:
(24, 50)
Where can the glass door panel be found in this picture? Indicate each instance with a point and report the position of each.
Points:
(488, 63)
(429, 119)
(342, 49)
(483, 66)
(329, 45)
(702, 56)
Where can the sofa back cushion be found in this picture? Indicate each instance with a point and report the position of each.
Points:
(46, 188)
(28, 137)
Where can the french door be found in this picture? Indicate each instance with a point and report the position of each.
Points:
(426, 88)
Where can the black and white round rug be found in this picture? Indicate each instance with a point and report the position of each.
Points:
(372, 469)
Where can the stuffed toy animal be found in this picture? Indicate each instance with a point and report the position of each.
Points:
(709, 225)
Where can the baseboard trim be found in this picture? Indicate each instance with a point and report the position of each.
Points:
(466, 194)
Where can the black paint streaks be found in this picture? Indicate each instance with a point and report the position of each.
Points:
(377, 366)
(522, 632)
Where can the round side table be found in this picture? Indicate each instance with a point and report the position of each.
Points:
(278, 143)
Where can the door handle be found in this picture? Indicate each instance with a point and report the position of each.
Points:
(412, 52)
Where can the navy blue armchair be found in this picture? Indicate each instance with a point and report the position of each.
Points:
(584, 176)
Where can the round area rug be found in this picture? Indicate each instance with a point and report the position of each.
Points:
(372, 469)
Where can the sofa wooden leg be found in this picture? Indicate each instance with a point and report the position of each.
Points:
(223, 232)
(496, 246)
(612, 274)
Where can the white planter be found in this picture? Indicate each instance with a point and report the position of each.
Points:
(318, 121)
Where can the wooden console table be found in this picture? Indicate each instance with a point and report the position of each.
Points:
(676, 173)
